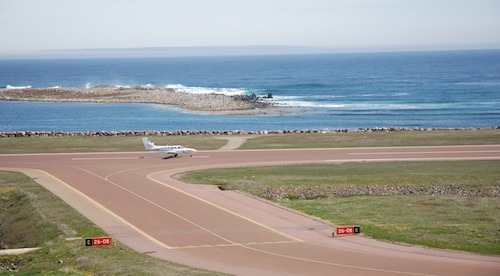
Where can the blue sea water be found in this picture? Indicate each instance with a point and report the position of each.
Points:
(411, 89)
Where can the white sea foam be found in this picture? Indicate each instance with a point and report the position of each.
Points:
(367, 95)
(147, 86)
(89, 85)
(309, 104)
(381, 106)
(206, 90)
(299, 101)
(349, 106)
(400, 94)
(17, 87)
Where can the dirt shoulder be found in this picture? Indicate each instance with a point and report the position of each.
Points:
(234, 142)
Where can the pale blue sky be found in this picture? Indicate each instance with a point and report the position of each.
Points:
(339, 25)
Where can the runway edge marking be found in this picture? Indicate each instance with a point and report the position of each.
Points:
(157, 205)
(336, 264)
(149, 176)
(84, 196)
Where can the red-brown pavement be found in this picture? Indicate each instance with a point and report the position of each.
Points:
(133, 198)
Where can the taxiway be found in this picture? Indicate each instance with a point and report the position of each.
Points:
(133, 197)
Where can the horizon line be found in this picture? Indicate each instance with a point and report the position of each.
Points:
(232, 50)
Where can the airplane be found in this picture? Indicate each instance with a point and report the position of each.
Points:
(172, 150)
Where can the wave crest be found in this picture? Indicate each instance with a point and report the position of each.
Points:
(207, 90)
(17, 87)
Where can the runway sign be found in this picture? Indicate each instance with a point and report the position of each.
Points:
(98, 241)
(346, 230)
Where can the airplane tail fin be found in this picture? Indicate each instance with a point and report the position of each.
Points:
(148, 145)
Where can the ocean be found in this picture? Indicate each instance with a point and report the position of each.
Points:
(448, 89)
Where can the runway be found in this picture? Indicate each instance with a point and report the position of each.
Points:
(132, 197)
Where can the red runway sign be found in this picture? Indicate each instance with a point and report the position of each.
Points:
(346, 230)
(98, 241)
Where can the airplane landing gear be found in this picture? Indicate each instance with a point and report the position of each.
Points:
(170, 156)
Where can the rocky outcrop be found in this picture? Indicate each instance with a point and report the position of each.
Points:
(139, 94)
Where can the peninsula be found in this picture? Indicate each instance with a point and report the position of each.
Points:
(138, 94)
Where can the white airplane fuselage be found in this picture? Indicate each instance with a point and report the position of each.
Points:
(174, 151)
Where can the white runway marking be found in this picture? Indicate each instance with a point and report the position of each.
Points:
(106, 158)
(411, 159)
(422, 152)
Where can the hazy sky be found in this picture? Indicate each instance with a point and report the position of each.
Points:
(342, 25)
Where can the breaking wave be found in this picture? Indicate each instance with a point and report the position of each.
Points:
(17, 87)
(208, 90)
(343, 104)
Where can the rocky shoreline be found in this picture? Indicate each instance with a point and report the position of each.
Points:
(138, 94)
(13, 134)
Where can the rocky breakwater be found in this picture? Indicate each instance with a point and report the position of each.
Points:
(138, 94)
(13, 134)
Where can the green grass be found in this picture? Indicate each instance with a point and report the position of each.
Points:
(31, 216)
(450, 222)
(374, 139)
(271, 141)
(101, 144)
(466, 174)
(458, 223)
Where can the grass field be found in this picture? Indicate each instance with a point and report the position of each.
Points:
(212, 142)
(468, 223)
(101, 144)
(447, 222)
(375, 139)
(32, 216)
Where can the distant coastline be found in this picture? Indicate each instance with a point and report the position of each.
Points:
(211, 102)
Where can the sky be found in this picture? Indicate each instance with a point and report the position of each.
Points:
(28, 26)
